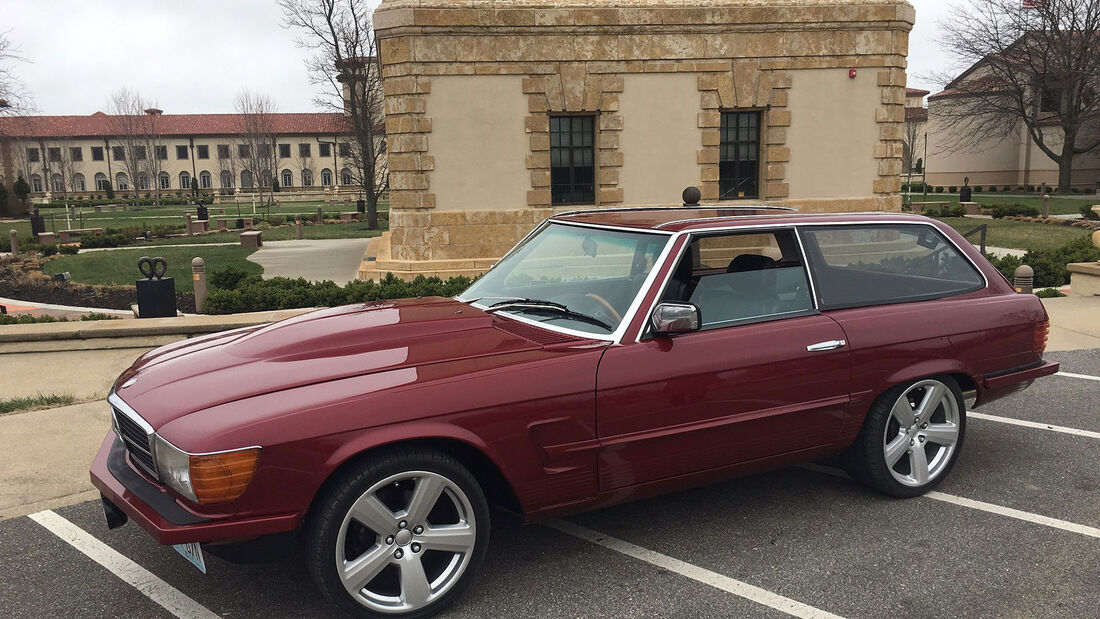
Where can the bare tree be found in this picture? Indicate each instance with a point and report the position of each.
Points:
(257, 128)
(1038, 65)
(347, 68)
(14, 98)
(912, 143)
(132, 127)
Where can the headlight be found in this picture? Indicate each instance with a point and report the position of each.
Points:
(206, 478)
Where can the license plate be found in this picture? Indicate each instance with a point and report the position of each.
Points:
(193, 553)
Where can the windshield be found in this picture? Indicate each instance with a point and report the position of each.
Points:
(577, 278)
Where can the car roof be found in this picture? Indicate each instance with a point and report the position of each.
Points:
(701, 218)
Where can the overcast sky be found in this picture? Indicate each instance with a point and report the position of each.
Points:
(194, 56)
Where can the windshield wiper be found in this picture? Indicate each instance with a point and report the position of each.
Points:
(540, 306)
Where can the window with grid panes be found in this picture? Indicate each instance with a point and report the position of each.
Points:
(573, 159)
(739, 156)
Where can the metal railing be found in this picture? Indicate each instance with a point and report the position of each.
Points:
(983, 229)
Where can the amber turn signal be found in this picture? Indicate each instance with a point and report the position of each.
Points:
(218, 478)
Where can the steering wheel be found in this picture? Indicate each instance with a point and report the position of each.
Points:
(607, 306)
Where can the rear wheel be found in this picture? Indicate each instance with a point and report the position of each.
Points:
(911, 437)
(399, 537)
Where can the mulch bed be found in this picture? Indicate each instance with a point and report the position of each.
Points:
(24, 280)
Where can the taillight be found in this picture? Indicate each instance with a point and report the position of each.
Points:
(1042, 330)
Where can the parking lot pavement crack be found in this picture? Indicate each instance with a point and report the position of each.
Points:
(694, 572)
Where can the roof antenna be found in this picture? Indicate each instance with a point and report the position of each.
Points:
(692, 195)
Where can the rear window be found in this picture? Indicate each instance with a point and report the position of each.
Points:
(878, 264)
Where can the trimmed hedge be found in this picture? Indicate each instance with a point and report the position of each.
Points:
(1001, 211)
(233, 293)
(1050, 264)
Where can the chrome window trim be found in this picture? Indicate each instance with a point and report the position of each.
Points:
(693, 207)
(616, 336)
(797, 227)
(961, 252)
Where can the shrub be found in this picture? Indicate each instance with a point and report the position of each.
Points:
(1006, 188)
(977, 188)
(49, 250)
(1086, 212)
(68, 250)
(253, 293)
(1049, 293)
(276, 220)
(228, 278)
(1050, 264)
(953, 189)
(993, 188)
(1031, 187)
(105, 240)
(939, 188)
(1000, 211)
(950, 211)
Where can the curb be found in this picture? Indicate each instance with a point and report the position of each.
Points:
(110, 334)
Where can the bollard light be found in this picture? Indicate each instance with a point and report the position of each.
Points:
(1023, 279)
(198, 275)
(14, 235)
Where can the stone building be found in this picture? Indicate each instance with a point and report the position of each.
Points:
(501, 112)
(80, 156)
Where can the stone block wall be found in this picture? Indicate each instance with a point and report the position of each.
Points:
(572, 57)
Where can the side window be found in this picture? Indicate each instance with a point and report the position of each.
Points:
(740, 278)
(879, 264)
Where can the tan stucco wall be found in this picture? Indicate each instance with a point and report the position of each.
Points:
(660, 137)
(626, 65)
(832, 139)
(1005, 163)
(478, 141)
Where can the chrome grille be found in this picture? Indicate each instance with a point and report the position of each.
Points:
(138, 440)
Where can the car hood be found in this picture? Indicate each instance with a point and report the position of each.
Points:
(326, 345)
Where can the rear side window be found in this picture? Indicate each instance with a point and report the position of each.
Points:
(855, 266)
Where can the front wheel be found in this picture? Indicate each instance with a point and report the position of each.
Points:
(400, 536)
(911, 437)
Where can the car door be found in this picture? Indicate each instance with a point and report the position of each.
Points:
(767, 374)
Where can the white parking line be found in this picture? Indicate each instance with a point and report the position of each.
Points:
(991, 508)
(1032, 424)
(174, 601)
(1082, 376)
(1054, 523)
(694, 572)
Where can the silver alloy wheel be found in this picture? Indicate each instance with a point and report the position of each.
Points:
(405, 542)
(921, 434)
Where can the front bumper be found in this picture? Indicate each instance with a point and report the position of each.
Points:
(157, 511)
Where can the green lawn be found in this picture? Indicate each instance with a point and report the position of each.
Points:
(1018, 234)
(1058, 206)
(120, 266)
(148, 216)
(286, 233)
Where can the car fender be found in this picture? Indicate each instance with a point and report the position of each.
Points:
(421, 431)
(924, 369)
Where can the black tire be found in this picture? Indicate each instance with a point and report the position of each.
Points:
(332, 510)
(866, 459)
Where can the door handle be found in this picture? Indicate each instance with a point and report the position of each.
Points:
(830, 345)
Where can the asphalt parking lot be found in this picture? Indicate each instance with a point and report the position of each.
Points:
(1013, 532)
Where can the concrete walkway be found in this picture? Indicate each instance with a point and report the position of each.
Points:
(337, 260)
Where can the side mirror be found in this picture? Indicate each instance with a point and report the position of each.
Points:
(673, 318)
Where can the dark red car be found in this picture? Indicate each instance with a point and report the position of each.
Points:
(611, 355)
